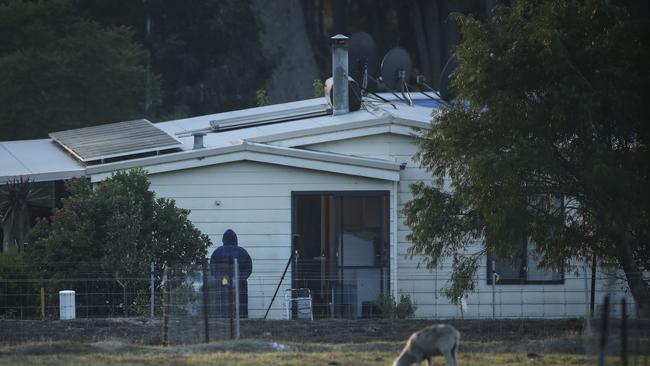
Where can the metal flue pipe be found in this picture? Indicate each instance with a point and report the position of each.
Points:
(340, 101)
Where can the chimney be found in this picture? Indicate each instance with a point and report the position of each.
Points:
(340, 74)
(198, 140)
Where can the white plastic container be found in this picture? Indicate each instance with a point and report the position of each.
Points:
(67, 307)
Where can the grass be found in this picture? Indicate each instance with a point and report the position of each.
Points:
(277, 358)
(249, 353)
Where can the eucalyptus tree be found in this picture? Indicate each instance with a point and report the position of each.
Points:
(552, 108)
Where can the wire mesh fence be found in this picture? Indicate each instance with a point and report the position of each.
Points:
(197, 307)
(27, 293)
(615, 335)
(190, 304)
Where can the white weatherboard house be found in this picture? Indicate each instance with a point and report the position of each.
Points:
(297, 177)
(292, 177)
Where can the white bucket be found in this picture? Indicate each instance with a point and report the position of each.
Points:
(67, 305)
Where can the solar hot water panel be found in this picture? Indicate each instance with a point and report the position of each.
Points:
(114, 140)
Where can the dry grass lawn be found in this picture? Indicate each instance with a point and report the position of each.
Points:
(278, 358)
(249, 353)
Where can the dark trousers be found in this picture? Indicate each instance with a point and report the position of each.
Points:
(225, 303)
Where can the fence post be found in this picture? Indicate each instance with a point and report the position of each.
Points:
(231, 302)
(623, 332)
(152, 298)
(592, 305)
(603, 332)
(588, 310)
(42, 303)
(165, 306)
(206, 300)
(236, 283)
(543, 302)
(521, 303)
(494, 281)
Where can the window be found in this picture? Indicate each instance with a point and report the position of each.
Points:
(523, 270)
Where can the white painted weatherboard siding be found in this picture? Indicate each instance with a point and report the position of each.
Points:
(255, 201)
(547, 300)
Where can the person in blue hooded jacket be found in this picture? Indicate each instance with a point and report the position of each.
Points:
(220, 265)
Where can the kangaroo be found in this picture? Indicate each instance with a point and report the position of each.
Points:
(438, 339)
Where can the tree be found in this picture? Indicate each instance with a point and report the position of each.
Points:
(552, 104)
(16, 198)
(117, 227)
(59, 71)
(206, 51)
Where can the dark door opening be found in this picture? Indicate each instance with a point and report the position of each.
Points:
(343, 250)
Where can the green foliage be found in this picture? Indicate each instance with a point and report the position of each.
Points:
(319, 88)
(117, 227)
(15, 272)
(16, 197)
(462, 281)
(206, 51)
(59, 71)
(552, 103)
(262, 97)
(389, 308)
(120, 223)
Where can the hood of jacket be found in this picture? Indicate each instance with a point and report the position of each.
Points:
(229, 238)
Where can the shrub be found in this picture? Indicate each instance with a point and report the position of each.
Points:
(389, 308)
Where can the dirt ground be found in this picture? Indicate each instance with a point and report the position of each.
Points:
(147, 331)
(368, 330)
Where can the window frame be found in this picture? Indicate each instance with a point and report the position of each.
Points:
(523, 271)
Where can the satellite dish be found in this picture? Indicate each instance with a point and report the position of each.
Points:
(354, 93)
(396, 69)
(363, 60)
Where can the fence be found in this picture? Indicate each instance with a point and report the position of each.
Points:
(29, 294)
(197, 307)
(192, 305)
(614, 335)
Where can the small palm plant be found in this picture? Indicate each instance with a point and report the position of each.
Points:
(16, 197)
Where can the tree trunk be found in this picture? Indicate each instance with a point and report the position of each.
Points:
(434, 38)
(638, 286)
(7, 237)
(294, 69)
(423, 53)
(20, 228)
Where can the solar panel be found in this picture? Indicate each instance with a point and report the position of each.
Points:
(114, 140)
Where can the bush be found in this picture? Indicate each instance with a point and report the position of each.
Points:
(20, 297)
(389, 308)
(111, 232)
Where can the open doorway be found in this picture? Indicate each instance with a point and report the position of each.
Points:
(343, 250)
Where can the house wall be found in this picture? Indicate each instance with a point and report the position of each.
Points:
(254, 200)
(547, 300)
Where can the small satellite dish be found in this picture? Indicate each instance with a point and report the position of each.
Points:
(396, 69)
(363, 60)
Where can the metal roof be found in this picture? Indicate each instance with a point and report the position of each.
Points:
(114, 140)
(44, 159)
(40, 160)
(284, 115)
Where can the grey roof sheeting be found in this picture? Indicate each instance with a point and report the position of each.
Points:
(40, 160)
(44, 160)
(114, 140)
